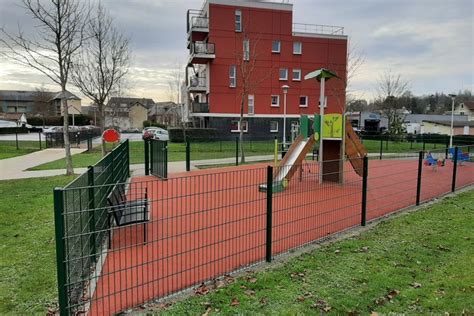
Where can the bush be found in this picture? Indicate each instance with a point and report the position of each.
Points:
(13, 130)
(79, 120)
(176, 134)
(156, 124)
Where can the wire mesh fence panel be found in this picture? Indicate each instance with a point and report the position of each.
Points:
(392, 184)
(307, 210)
(465, 169)
(437, 174)
(159, 158)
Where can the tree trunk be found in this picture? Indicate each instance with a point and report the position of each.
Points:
(67, 144)
(102, 127)
(241, 131)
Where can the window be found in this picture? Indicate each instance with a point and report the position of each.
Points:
(275, 46)
(297, 48)
(283, 74)
(235, 126)
(296, 74)
(238, 21)
(273, 126)
(275, 100)
(232, 76)
(251, 103)
(461, 113)
(246, 46)
(303, 101)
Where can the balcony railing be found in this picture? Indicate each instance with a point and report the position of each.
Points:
(199, 107)
(197, 83)
(199, 22)
(202, 48)
(318, 29)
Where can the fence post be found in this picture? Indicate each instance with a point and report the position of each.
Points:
(363, 220)
(423, 140)
(39, 136)
(455, 168)
(91, 206)
(418, 183)
(236, 151)
(128, 155)
(447, 148)
(60, 249)
(147, 157)
(188, 154)
(381, 146)
(166, 160)
(268, 252)
(16, 140)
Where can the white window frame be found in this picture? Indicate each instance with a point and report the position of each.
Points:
(232, 76)
(295, 52)
(245, 123)
(251, 97)
(246, 49)
(238, 24)
(278, 100)
(306, 103)
(273, 130)
(279, 47)
(286, 74)
(293, 74)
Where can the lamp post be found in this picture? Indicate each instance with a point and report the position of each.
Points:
(285, 91)
(452, 121)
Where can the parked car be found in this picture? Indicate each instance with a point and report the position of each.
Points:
(161, 134)
(148, 132)
(52, 129)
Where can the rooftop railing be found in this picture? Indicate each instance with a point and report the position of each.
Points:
(318, 29)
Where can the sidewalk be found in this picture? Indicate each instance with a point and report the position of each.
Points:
(14, 168)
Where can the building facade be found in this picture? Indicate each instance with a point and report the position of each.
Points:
(465, 109)
(127, 113)
(444, 127)
(243, 52)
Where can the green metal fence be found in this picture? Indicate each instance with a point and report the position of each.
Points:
(81, 235)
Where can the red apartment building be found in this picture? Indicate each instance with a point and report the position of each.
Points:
(237, 43)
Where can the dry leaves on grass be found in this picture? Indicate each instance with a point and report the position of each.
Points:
(234, 302)
(201, 290)
(416, 285)
(322, 305)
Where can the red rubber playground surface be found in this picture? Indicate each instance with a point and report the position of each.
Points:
(210, 222)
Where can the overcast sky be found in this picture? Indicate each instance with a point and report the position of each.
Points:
(430, 42)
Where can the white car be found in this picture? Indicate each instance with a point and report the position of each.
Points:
(53, 129)
(161, 134)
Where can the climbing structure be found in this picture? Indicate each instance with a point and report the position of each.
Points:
(355, 150)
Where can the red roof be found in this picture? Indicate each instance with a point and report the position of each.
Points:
(469, 105)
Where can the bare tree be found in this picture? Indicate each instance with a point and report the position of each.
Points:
(249, 78)
(59, 35)
(102, 63)
(174, 82)
(390, 88)
(42, 99)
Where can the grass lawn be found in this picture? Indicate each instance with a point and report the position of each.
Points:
(418, 263)
(176, 152)
(8, 148)
(28, 259)
(215, 150)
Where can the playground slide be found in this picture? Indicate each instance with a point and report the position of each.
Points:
(293, 158)
(355, 150)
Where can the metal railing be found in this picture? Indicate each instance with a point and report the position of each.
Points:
(56, 139)
(202, 48)
(198, 82)
(200, 107)
(318, 29)
(199, 22)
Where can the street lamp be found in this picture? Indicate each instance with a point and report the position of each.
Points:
(285, 91)
(453, 96)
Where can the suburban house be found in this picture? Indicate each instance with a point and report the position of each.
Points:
(12, 119)
(38, 102)
(227, 38)
(463, 127)
(127, 113)
(413, 122)
(465, 108)
(167, 113)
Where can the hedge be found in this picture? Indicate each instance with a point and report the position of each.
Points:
(79, 120)
(13, 130)
(156, 124)
(176, 135)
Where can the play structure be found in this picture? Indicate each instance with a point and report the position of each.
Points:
(332, 129)
(433, 162)
(460, 157)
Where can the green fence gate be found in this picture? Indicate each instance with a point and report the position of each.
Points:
(159, 158)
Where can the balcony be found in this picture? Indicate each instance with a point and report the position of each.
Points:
(197, 84)
(197, 26)
(316, 29)
(199, 107)
(201, 53)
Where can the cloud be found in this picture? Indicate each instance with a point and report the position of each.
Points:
(430, 42)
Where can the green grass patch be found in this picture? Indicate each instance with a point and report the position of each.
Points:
(28, 259)
(373, 146)
(8, 148)
(418, 263)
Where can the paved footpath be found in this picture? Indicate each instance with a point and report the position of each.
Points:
(15, 168)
